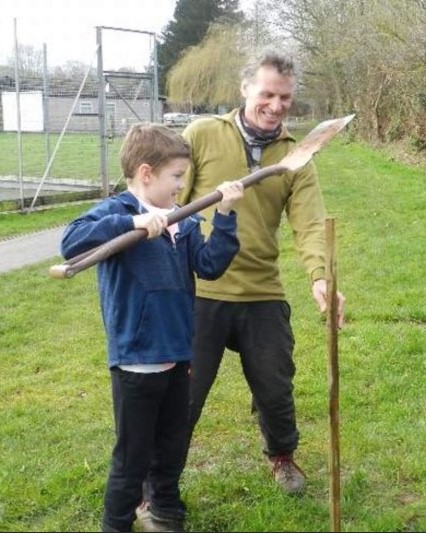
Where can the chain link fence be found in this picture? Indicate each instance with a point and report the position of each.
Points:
(61, 128)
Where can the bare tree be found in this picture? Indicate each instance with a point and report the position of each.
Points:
(30, 60)
(363, 56)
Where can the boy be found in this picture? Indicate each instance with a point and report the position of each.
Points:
(147, 296)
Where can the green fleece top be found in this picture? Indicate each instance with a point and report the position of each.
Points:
(217, 155)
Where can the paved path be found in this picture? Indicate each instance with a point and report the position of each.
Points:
(29, 249)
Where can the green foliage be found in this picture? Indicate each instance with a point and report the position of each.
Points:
(365, 57)
(192, 19)
(421, 100)
(418, 143)
(396, 130)
(57, 432)
(216, 79)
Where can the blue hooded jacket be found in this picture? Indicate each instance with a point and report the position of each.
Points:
(147, 290)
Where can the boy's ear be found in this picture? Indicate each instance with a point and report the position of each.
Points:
(145, 172)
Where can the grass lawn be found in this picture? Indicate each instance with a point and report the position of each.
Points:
(78, 156)
(57, 427)
(13, 224)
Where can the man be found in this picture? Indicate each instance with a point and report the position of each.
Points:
(245, 310)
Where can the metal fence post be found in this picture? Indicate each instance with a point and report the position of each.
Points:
(101, 113)
(46, 120)
(18, 118)
(156, 101)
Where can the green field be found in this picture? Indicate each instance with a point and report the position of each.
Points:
(57, 427)
(14, 224)
(77, 157)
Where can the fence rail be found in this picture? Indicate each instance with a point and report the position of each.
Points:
(58, 124)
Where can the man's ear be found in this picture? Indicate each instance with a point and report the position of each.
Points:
(145, 172)
(243, 89)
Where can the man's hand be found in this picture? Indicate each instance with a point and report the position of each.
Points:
(319, 292)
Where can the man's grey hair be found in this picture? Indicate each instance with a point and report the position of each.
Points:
(283, 64)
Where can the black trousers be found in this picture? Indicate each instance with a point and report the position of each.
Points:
(151, 418)
(261, 333)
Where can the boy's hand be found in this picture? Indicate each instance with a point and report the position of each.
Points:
(154, 223)
(231, 191)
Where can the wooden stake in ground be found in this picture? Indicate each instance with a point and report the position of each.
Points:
(333, 375)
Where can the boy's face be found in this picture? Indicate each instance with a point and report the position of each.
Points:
(166, 183)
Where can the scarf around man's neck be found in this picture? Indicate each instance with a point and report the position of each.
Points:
(254, 139)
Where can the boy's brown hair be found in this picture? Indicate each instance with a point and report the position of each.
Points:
(153, 144)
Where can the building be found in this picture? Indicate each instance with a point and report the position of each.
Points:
(51, 114)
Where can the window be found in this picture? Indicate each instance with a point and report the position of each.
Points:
(110, 109)
(86, 107)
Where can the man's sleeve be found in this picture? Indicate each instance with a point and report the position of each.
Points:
(185, 195)
(306, 214)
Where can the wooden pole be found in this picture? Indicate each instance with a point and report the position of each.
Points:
(333, 375)
(87, 259)
(295, 159)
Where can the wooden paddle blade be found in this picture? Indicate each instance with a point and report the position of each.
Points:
(313, 142)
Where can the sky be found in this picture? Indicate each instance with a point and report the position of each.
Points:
(67, 27)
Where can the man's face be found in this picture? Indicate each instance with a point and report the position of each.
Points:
(268, 98)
